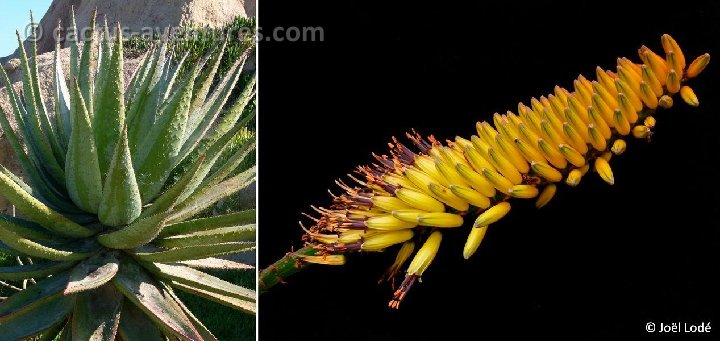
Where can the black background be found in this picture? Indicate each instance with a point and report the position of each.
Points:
(597, 263)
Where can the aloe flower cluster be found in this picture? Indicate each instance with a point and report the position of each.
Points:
(411, 197)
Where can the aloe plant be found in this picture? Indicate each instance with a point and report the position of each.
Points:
(115, 181)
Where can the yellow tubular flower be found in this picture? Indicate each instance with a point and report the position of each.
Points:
(627, 108)
(575, 140)
(425, 255)
(449, 172)
(473, 241)
(492, 214)
(410, 216)
(498, 181)
(673, 63)
(618, 146)
(574, 177)
(602, 167)
(445, 195)
(440, 220)
(606, 95)
(388, 223)
(389, 203)
(427, 165)
(419, 200)
(513, 154)
(546, 195)
(572, 155)
(630, 93)
(524, 191)
(656, 63)
(600, 122)
(629, 78)
(546, 171)
(596, 138)
(504, 166)
(549, 133)
(402, 256)
(673, 82)
(621, 124)
(578, 109)
(529, 152)
(552, 154)
(601, 108)
(698, 65)
(670, 45)
(649, 77)
(476, 180)
(477, 160)
(648, 96)
(688, 95)
(381, 241)
(473, 197)
(553, 119)
(605, 80)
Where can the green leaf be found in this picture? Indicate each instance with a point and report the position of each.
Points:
(53, 333)
(39, 102)
(33, 321)
(109, 116)
(210, 237)
(143, 291)
(230, 165)
(37, 249)
(82, 170)
(87, 59)
(138, 77)
(157, 155)
(32, 297)
(212, 263)
(26, 229)
(135, 325)
(142, 114)
(39, 212)
(204, 224)
(134, 235)
(35, 136)
(199, 143)
(21, 272)
(205, 80)
(210, 195)
(213, 154)
(204, 118)
(62, 100)
(171, 196)
(200, 280)
(97, 314)
(74, 47)
(202, 330)
(92, 273)
(121, 203)
(193, 252)
(232, 302)
(45, 190)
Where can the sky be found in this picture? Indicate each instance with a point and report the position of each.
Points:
(16, 15)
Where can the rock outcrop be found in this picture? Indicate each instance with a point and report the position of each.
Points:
(136, 15)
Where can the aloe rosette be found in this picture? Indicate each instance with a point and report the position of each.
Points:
(407, 200)
(115, 182)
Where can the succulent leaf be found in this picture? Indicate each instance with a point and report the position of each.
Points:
(194, 252)
(92, 273)
(97, 314)
(40, 270)
(204, 224)
(82, 170)
(121, 203)
(147, 294)
(200, 280)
